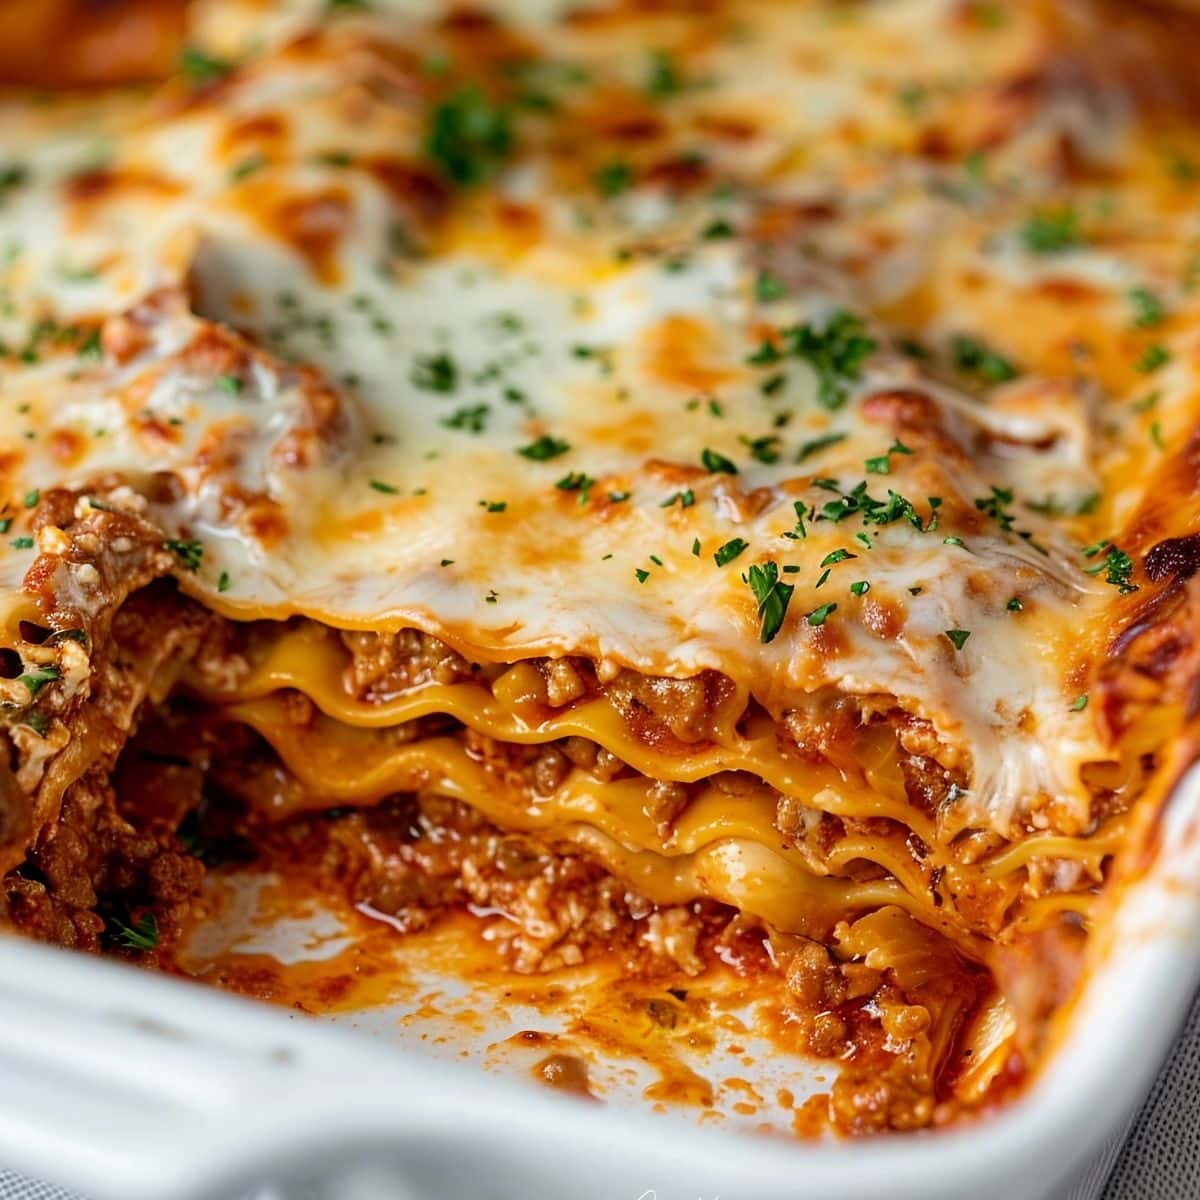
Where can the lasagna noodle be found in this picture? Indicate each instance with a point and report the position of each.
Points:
(724, 847)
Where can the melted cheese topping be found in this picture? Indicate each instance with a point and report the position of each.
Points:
(519, 379)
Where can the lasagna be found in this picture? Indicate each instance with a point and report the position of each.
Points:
(658, 474)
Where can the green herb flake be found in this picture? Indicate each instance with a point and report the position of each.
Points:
(468, 137)
(224, 582)
(189, 553)
(1051, 231)
(378, 485)
(544, 448)
(860, 587)
(1153, 358)
(773, 596)
(817, 617)
(1147, 308)
(663, 78)
(763, 449)
(716, 464)
(31, 498)
(613, 178)
(434, 373)
(958, 637)
(729, 551)
(37, 679)
(1115, 563)
(1079, 703)
(768, 288)
(973, 357)
(817, 444)
(683, 499)
(141, 935)
(836, 352)
(199, 68)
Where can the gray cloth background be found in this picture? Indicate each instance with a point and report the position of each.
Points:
(1157, 1156)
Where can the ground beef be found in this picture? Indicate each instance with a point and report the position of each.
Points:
(659, 709)
(412, 857)
(384, 665)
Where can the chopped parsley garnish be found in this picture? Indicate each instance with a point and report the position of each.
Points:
(188, 553)
(716, 464)
(22, 543)
(247, 167)
(1153, 357)
(995, 506)
(773, 596)
(544, 448)
(468, 137)
(663, 78)
(1156, 435)
(764, 449)
(1051, 231)
(1116, 565)
(817, 617)
(618, 497)
(37, 679)
(12, 176)
(90, 346)
(835, 352)
(872, 510)
(881, 464)
(768, 288)
(31, 498)
(230, 384)
(472, 418)
(613, 178)
(973, 357)
(860, 587)
(141, 935)
(836, 556)
(808, 449)
(435, 373)
(378, 485)
(683, 499)
(1015, 605)
(1147, 308)
(716, 230)
(642, 574)
(199, 68)
(728, 552)
(494, 506)
(1079, 703)
(224, 582)
(958, 637)
(446, 562)
(36, 721)
(577, 481)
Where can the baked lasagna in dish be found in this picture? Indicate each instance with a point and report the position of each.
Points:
(665, 475)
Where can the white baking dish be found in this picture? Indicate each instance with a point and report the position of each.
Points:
(128, 1086)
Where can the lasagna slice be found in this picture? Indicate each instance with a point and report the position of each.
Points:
(663, 508)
